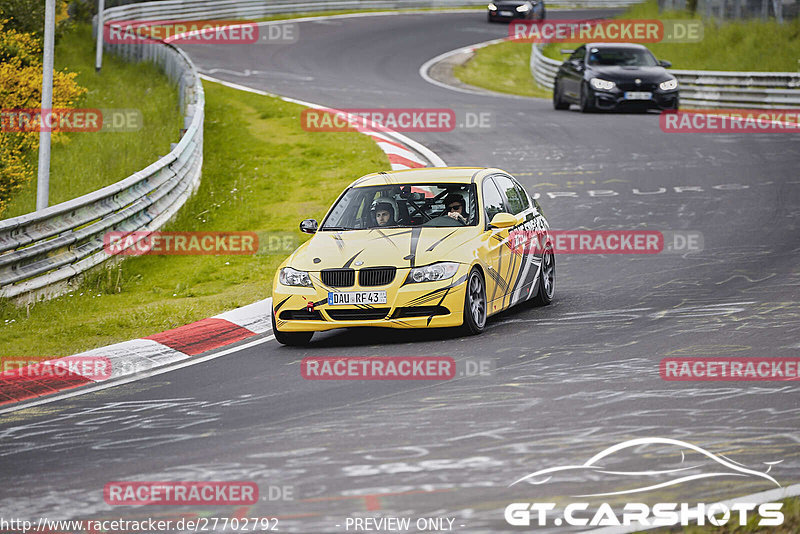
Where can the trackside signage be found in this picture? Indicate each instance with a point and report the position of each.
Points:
(186, 493)
(606, 31)
(378, 368)
(730, 369)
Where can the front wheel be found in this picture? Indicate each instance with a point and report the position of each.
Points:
(558, 101)
(291, 339)
(475, 309)
(587, 99)
(547, 279)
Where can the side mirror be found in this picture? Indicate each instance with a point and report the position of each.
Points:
(664, 63)
(309, 226)
(503, 220)
(577, 64)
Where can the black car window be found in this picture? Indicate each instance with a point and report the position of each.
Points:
(492, 200)
(579, 54)
(515, 198)
(621, 57)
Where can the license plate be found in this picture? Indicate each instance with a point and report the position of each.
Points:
(350, 298)
(506, 13)
(638, 95)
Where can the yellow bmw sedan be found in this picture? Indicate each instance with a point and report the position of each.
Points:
(434, 247)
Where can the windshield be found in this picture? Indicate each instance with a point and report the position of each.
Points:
(621, 57)
(393, 206)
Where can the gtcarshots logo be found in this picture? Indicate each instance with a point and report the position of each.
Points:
(637, 457)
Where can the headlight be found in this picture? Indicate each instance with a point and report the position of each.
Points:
(598, 83)
(523, 8)
(430, 273)
(293, 277)
(492, 7)
(669, 85)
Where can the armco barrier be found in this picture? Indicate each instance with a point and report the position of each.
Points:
(42, 252)
(707, 89)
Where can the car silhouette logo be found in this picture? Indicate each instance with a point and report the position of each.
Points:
(668, 475)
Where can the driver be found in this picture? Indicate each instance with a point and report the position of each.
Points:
(383, 211)
(455, 207)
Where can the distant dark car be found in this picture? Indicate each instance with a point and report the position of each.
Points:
(515, 9)
(606, 76)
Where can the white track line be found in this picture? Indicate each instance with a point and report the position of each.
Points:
(132, 378)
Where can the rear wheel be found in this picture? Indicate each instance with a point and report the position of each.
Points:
(558, 101)
(475, 303)
(292, 339)
(547, 279)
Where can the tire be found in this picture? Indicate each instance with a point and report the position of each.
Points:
(475, 305)
(587, 105)
(547, 279)
(291, 339)
(558, 102)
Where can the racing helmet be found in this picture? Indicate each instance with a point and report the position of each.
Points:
(384, 203)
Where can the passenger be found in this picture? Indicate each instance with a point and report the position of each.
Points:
(456, 208)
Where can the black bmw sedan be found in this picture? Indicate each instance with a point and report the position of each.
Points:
(609, 76)
(505, 10)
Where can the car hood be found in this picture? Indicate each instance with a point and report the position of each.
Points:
(629, 74)
(398, 247)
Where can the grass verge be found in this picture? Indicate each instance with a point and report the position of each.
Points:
(502, 67)
(87, 161)
(751, 45)
(262, 172)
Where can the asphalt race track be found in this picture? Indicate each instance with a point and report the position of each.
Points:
(568, 380)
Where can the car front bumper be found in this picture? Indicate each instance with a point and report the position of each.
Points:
(420, 305)
(615, 99)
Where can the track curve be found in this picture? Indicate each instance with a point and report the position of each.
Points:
(571, 379)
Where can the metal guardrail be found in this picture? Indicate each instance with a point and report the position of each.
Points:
(41, 252)
(233, 9)
(707, 89)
